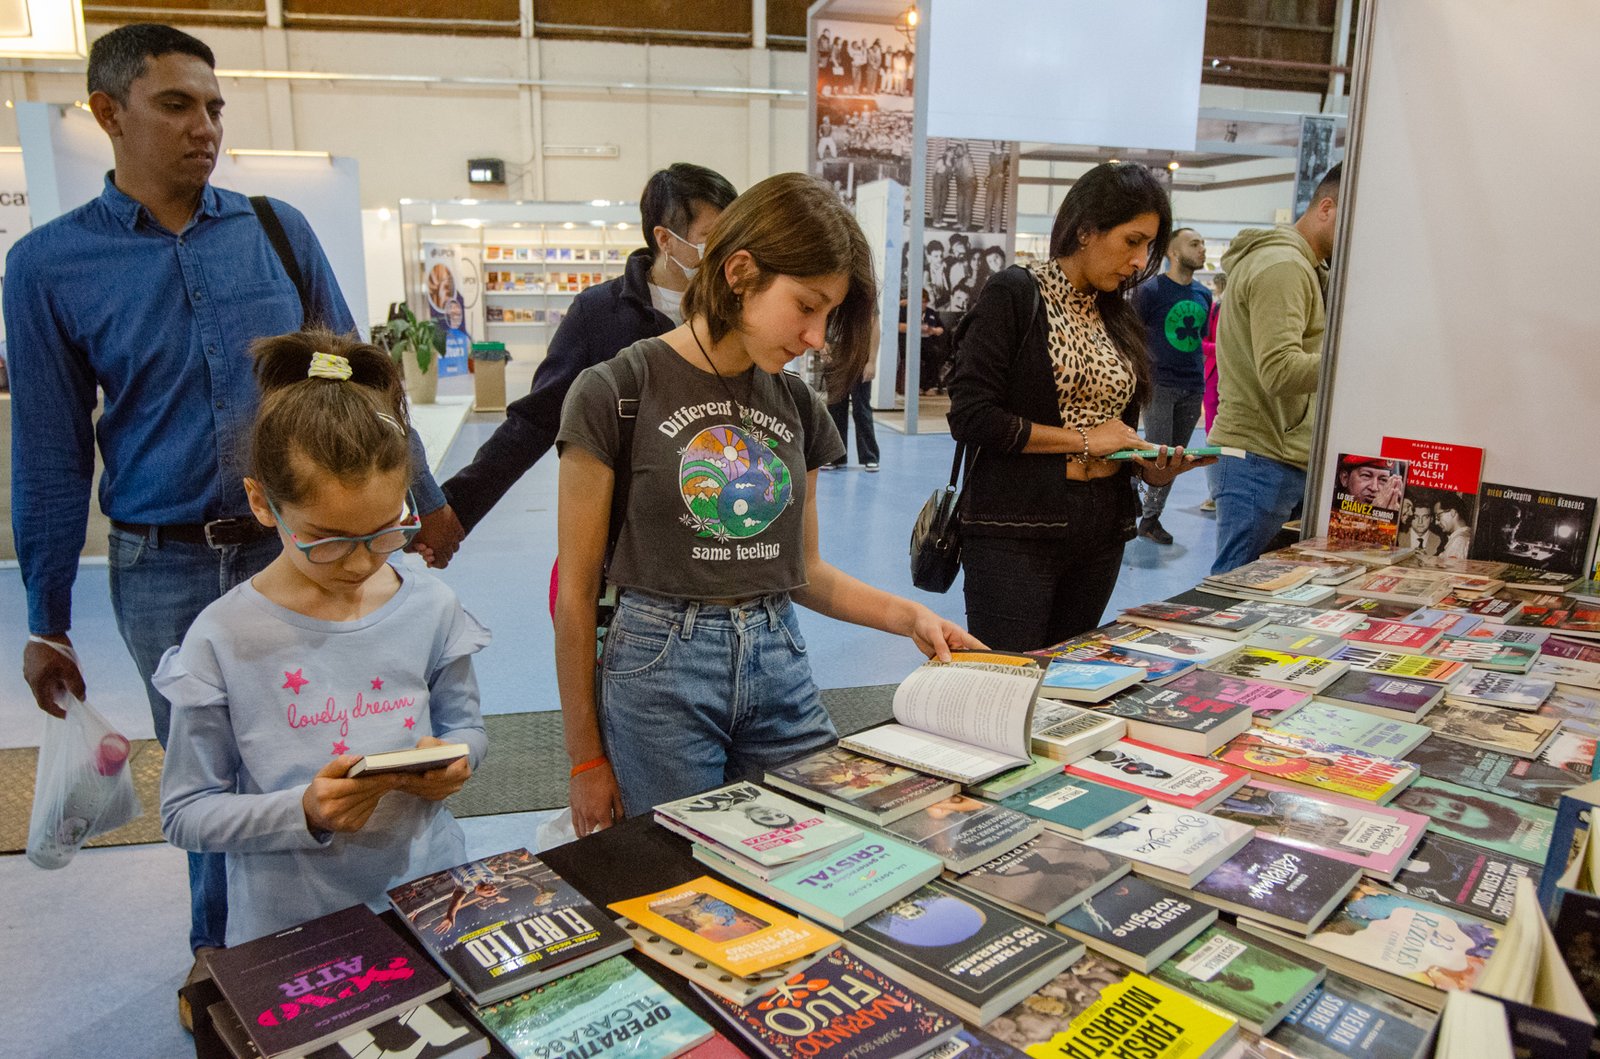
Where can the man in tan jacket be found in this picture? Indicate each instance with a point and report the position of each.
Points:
(1269, 361)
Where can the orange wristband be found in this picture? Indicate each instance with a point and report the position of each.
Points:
(587, 765)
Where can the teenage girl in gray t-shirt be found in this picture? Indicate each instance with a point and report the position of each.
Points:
(705, 678)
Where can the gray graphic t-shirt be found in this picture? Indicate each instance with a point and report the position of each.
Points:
(715, 510)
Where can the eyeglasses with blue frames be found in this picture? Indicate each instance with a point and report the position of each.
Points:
(333, 549)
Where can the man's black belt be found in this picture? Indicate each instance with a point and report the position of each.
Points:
(218, 533)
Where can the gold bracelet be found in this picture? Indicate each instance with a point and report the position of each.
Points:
(1084, 459)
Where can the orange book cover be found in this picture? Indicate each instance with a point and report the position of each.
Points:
(731, 929)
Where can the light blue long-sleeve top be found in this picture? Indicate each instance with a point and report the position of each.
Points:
(264, 697)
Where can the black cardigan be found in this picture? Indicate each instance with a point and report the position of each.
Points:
(1002, 384)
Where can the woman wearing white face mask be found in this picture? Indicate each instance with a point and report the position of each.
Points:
(678, 207)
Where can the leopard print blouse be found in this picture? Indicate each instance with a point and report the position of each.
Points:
(1094, 383)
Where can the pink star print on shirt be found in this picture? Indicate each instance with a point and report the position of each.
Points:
(294, 681)
(377, 683)
(340, 748)
(410, 722)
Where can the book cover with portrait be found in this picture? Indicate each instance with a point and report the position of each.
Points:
(1535, 528)
(1367, 495)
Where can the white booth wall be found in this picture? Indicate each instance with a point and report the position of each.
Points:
(1463, 310)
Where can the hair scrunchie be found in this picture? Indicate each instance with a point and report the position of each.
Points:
(328, 366)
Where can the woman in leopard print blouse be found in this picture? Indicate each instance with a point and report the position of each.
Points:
(1051, 370)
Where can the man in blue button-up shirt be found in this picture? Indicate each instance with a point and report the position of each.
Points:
(151, 295)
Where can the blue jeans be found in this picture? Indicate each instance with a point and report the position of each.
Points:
(1169, 419)
(158, 588)
(856, 404)
(1255, 496)
(695, 695)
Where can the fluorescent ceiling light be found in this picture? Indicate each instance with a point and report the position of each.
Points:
(272, 152)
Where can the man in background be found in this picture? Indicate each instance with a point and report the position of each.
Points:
(195, 279)
(678, 208)
(1269, 358)
(1175, 308)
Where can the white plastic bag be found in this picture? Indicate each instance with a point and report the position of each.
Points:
(83, 788)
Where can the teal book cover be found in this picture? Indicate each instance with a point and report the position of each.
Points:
(1343, 726)
(1073, 805)
(610, 1009)
(859, 876)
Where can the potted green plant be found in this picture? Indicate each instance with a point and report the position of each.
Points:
(416, 344)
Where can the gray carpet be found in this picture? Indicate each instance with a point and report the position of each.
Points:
(526, 769)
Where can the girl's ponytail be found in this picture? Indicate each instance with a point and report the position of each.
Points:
(336, 403)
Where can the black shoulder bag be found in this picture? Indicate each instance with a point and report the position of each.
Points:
(936, 537)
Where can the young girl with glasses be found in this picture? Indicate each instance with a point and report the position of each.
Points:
(328, 654)
(705, 676)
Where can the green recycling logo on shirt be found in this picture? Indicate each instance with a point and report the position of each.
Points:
(1186, 324)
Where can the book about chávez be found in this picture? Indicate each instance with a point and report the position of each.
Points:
(308, 986)
(1535, 528)
(1365, 511)
(965, 720)
(963, 951)
(1142, 1019)
(505, 923)
(839, 1008)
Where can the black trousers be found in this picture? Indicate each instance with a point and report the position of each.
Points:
(1027, 593)
(857, 404)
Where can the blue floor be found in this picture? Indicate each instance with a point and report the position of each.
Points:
(95, 952)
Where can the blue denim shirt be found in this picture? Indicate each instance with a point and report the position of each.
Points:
(106, 298)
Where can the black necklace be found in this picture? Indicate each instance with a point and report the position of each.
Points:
(745, 416)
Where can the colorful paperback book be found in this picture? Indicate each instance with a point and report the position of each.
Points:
(963, 951)
(1241, 976)
(1292, 641)
(975, 1044)
(505, 923)
(1137, 922)
(1478, 687)
(1230, 623)
(1311, 762)
(1437, 473)
(1494, 611)
(1584, 655)
(1274, 613)
(1579, 620)
(1138, 1017)
(1465, 877)
(1074, 806)
(1406, 667)
(1447, 622)
(1365, 509)
(1309, 594)
(1344, 726)
(703, 973)
(964, 832)
(1269, 703)
(1535, 638)
(1299, 672)
(612, 1009)
(1156, 669)
(1530, 579)
(1088, 680)
(1514, 828)
(858, 786)
(1394, 636)
(1460, 567)
(1411, 948)
(1399, 587)
(1176, 846)
(311, 985)
(730, 929)
(1140, 768)
(1165, 644)
(1560, 671)
(756, 824)
(1346, 1019)
(1053, 1008)
(1374, 557)
(858, 881)
(1535, 528)
(1525, 779)
(1386, 609)
(1289, 887)
(1045, 877)
(1376, 839)
(1571, 752)
(1264, 576)
(1329, 571)
(839, 1008)
(1504, 731)
(1384, 696)
(439, 1029)
(1176, 720)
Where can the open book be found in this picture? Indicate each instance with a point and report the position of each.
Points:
(1546, 1009)
(966, 720)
